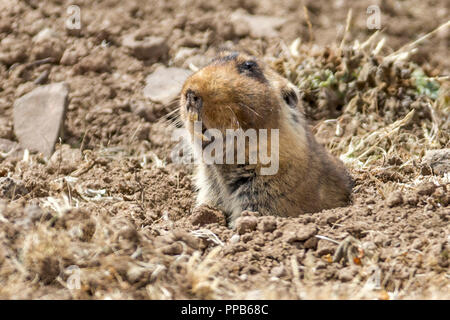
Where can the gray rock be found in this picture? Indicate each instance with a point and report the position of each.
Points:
(39, 115)
(182, 54)
(256, 25)
(187, 56)
(197, 60)
(148, 48)
(165, 84)
(437, 160)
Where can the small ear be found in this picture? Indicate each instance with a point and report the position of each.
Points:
(290, 97)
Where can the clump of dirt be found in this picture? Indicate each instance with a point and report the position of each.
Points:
(109, 215)
(204, 215)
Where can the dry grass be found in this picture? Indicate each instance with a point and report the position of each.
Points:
(370, 107)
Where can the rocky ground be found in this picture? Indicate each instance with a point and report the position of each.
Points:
(92, 207)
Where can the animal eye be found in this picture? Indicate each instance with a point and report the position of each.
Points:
(251, 69)
(290, 97)
(248, 65)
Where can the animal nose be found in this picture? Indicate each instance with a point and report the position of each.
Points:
(193, 101)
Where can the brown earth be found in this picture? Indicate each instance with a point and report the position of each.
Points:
(110, 211)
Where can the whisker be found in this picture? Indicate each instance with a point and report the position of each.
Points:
(169, 114)
(173, 122)
(244, 105)
(235, 117)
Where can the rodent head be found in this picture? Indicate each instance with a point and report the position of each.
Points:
(238, 91)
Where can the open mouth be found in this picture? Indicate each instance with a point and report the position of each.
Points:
(207, 139)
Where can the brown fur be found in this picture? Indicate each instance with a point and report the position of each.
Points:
(309, 178)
